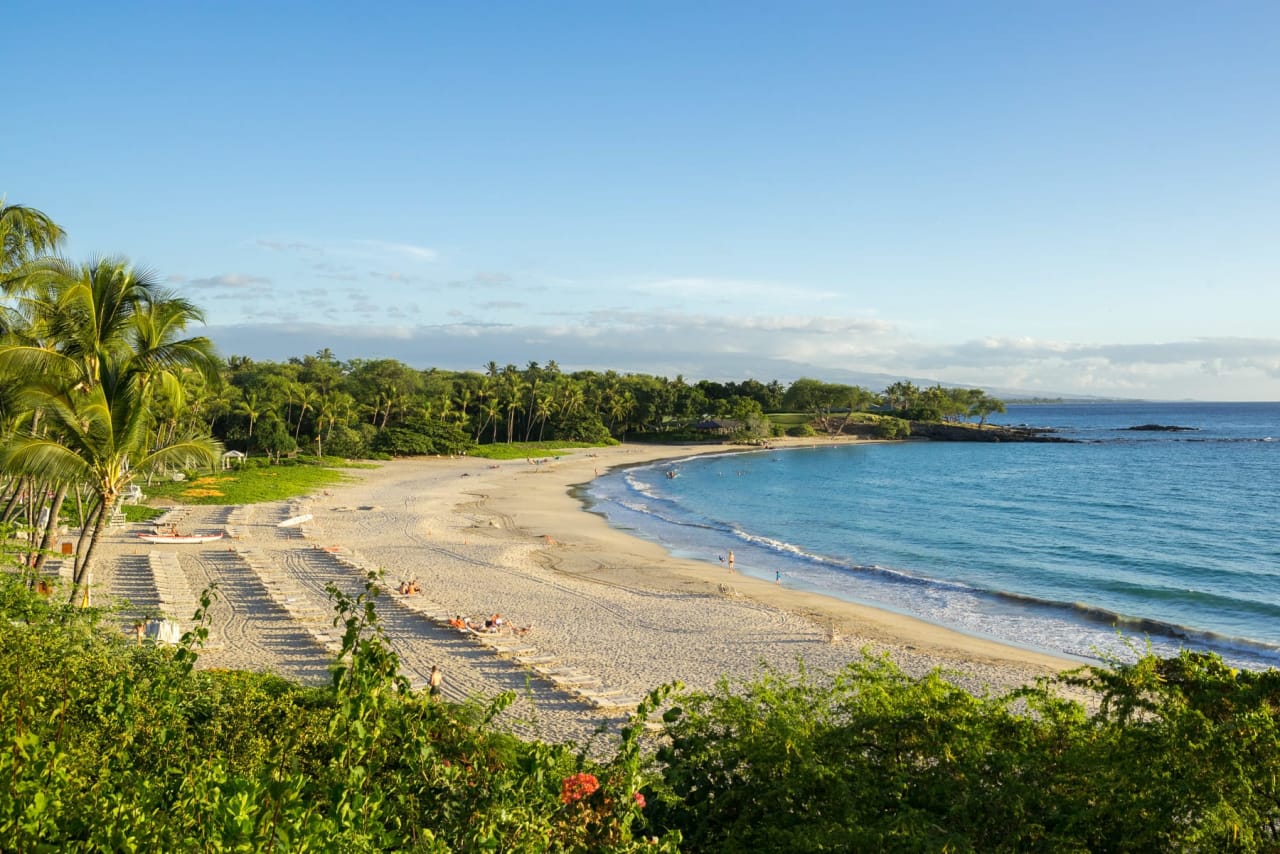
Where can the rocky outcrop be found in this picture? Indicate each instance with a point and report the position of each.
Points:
(941, 432)
(1163, 428)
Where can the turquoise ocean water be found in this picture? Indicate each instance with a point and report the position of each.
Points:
(1162, 537)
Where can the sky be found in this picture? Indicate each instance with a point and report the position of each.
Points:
(1063, 198)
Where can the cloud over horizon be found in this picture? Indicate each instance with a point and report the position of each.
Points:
(785, 348)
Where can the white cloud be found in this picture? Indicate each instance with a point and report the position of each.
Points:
(420, 253)
(228, 280)
(696, 287)
(290, 246)
(871, 352)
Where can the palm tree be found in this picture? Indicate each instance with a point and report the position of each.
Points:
(25, 234)
(250, 408)
(101, 441)
(100, 341)
(307, 399)
(542, 408)
(534, 374)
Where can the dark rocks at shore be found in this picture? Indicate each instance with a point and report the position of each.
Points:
(940, 432)
(1163, 428)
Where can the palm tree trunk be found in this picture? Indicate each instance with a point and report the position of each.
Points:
(51, 529)
(10, 509)
(84, 554)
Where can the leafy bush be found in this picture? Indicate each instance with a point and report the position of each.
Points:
(892, 428)
(342, 441)
(421, 438)
(1180, 756)
(583, 426)
(108, 745)
(802, 430)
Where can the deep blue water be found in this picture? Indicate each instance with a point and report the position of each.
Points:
(1125, 537)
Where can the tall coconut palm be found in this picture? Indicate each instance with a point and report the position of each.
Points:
(25, 234)
(100, 339)
(100, 440)
(106, 308)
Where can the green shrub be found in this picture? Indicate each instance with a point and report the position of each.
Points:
(892, 428)
(802, 430)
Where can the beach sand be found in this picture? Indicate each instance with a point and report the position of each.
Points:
(609, 616)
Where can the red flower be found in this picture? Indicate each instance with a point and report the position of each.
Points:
(639, 799)
(577, 787)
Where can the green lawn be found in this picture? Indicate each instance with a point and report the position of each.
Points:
(524, 450)
(252, 485)
(790, 419)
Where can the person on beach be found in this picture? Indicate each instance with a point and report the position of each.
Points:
(731, 560)
(434, 681)
(777, 576)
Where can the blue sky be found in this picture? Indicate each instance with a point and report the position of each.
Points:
(1070, 197)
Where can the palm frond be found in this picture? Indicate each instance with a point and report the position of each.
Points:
(188, 452)
(29, 360)
(44, 458)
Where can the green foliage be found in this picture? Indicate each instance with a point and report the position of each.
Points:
(110, 745)
(802, 430)
(343, 441)
(421, 438)
(584, 427)
(273, 438)
(892, 428)
(1180, 756)
(106, 744)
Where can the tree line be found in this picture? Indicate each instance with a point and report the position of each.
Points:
(350, 409)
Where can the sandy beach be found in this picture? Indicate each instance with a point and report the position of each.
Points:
(608, 616)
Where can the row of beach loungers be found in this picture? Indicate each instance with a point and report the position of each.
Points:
(287, 592)
(584, 686)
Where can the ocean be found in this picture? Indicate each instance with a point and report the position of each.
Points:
(1100, 549)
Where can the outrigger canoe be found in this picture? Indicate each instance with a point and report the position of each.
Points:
(294, 520)
(181, 538)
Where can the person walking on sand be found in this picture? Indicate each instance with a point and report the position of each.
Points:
(434, 681)
(731, 560)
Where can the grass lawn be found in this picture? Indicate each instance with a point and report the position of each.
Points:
(790, 419)
(252, 485)
(524, 450)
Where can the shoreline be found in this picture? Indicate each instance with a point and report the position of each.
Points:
(603, 607)
(586, 533)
